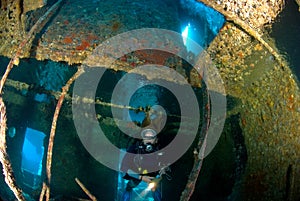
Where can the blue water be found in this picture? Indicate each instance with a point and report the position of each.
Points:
(204, 21)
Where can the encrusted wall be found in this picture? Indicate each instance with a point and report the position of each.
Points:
(256, 13)
(13, 27)
(10, 26)
(269, 112)
(270, 98)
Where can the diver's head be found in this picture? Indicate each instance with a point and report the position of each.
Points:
(148, 134)
(149, 138)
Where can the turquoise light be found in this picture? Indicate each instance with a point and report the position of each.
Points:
(185, 33)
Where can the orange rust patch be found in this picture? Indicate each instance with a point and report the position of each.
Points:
(92, 37)
(84, 44)
(115, 26)
(244, 122)
(68, 40)
(153, 56)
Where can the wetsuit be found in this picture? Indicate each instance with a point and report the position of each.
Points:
(135, 166)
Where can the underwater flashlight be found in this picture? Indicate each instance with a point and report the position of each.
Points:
(151, 185)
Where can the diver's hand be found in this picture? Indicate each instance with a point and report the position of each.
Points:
(147, 179)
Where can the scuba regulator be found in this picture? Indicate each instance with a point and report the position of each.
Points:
(149, 147)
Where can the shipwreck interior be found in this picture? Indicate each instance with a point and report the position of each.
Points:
(73, 70)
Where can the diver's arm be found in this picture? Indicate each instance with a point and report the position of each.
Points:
(146, 178)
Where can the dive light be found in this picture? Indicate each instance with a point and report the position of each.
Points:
(153, 183)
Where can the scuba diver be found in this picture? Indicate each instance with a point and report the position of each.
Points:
(135, 165)
(132, 165)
